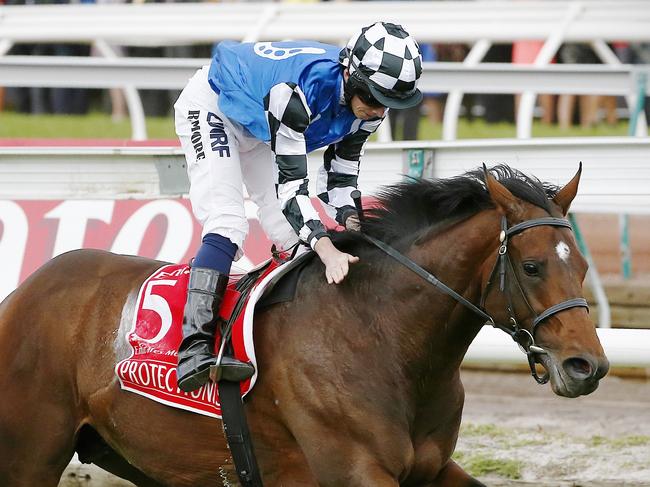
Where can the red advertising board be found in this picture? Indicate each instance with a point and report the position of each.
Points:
(34, 231)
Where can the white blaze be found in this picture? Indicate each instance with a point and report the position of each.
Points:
(563, 251)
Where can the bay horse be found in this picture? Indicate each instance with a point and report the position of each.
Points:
(359, 383)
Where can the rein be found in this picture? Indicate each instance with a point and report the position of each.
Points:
(524, 338)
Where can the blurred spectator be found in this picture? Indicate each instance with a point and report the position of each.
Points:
(587, 104)
(159, 103)
(156, 103)
(404, 124)
(116, 95)
(455, 53)
(608, 105)
(65, 100)
(48, 100)
(2, 90)
(636, 53)
(19, 98)
(498, 108)
(188, 51)
(525, 52)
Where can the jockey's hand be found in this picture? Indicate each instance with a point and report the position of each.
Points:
(352, 223)
(337, 263)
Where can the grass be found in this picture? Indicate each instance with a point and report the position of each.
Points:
(491, 430)
(490, 450)
(480, 465)
(98, 125)
(623, 442)
(479, 129)
(93, 126)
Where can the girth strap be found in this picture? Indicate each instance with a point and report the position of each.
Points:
(556, 308)
(235, 429)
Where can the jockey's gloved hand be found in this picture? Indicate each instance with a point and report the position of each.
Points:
(337, 263)
(352, 223)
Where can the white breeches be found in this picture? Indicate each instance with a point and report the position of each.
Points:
(222, 157)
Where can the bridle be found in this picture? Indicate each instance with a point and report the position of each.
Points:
(524, 338)
(502, 266)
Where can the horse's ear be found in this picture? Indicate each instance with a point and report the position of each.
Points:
(565, 196)
(505, 201)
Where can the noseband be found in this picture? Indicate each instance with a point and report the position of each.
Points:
(524, 338)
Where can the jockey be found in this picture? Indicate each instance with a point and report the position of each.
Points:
(250, 118)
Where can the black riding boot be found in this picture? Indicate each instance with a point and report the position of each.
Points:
(196, 353)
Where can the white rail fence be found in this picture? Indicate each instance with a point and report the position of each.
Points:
(624, 348)
(479, 24)
(616, 170)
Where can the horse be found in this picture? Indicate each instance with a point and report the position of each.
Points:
(359, 383)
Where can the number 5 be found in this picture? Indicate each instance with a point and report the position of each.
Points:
(158, 305)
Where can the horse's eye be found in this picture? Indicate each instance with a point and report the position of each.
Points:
(531, 268)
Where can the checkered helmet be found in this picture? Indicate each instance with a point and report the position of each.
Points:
(386, 59)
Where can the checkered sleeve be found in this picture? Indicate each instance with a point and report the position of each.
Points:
(338, 176)
(289, 116)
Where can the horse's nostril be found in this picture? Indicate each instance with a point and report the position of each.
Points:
(603, 368)
(579, 368)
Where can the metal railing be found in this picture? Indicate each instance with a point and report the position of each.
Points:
(452, 78)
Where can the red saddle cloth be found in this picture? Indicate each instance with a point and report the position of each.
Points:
(156, 334)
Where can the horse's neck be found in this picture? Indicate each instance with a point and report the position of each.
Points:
(458, 257)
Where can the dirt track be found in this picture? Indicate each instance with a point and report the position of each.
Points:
(602, 440)
(598, 440)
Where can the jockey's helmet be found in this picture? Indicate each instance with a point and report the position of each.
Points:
(384, 63)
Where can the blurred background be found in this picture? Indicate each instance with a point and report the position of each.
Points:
(89, 157)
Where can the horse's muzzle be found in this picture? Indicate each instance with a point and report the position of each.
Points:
(575, 376)
(585, 368)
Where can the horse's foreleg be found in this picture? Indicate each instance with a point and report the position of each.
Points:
(36, 444)
(37, 424)
(453, 476)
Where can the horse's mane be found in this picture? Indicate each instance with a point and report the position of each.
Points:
(405, 210)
